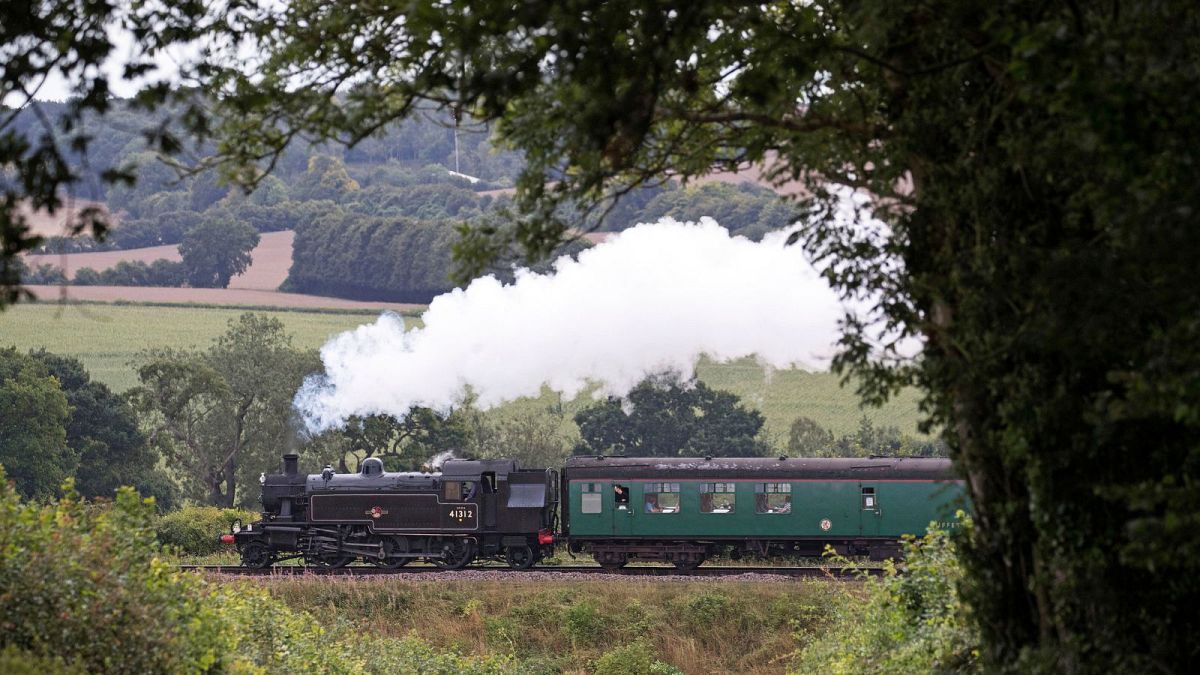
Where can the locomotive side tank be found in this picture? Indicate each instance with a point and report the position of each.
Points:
(472, 508)
(684, 510)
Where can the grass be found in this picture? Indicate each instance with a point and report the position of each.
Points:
(106, 337)
(553, 626)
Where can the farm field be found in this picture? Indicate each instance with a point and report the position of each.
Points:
(271, 260)
(107, 337)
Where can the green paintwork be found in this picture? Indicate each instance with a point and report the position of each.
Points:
(901, 507)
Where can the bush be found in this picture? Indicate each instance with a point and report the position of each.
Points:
(583, 623)
(636, 658)
(194, 530)
(909, 623)
(83, 589)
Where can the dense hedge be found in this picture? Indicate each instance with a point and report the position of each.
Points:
(396, 259)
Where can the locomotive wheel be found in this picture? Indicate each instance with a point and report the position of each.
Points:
(390, 547)
(458, 554)
(257, 555)
(520, 557)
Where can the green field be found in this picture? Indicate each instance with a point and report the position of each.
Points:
(108, 337)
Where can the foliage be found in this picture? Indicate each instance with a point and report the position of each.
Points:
(808, 439)
(910, 621)
(219, 414)
(403, 444)
(161, 272)
(217, 250)
(1032, 172)
(193, 530)
(43, 274)
(663, 417)
(33, 420)
(393, 259)
(103, 431)
(635, 658)
(83, 589)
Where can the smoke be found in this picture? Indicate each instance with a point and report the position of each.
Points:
(439, 459)
(655, 297)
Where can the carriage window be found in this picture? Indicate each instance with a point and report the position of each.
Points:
(661, 498)
(459, 490)
(621, 496)
(868, 498)
(717, 498)
(773, 497)
(591, 498)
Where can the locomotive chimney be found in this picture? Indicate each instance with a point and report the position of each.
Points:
(291, 464)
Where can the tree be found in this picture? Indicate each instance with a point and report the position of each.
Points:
(402, 443)
(221, 415)
(663, 417)
(33, 427)
(103, 432)
(806, 438)
(217, 250)
(1032, 168)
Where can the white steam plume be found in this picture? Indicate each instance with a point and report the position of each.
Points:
(652, 298)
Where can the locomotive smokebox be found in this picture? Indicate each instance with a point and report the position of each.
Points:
(291, 464)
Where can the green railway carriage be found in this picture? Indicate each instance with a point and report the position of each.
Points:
(685, 510)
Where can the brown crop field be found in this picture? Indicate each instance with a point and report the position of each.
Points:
(272, 259)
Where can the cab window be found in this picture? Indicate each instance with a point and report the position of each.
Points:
(591, 498)
(773, 497)
(661, 498)
(717, 498)
(459, 490)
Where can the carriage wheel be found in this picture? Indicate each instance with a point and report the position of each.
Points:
(520, 557)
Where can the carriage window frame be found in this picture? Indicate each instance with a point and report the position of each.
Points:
(870, 499)
(666, 496)
(591, 498)
(707, 498)
(773, 498)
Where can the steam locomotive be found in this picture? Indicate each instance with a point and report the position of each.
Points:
(471, 509)
(617, 509)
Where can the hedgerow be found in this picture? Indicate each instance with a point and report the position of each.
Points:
(194, 530)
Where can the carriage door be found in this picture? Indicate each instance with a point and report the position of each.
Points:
(871, 513)
(624, 504)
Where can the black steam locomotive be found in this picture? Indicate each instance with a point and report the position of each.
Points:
(471, 509)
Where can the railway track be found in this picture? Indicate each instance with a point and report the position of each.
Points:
(845, 573)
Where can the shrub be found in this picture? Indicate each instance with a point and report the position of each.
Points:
(583, 623)
(194, 530)
(636, 658)
(705, 609)
(83, 589)
(912, 622)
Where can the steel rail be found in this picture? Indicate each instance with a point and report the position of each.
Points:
(848, 573)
